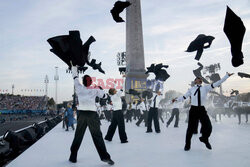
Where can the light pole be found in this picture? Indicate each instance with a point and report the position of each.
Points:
(56, 78)
(46, 81)
(13, 89)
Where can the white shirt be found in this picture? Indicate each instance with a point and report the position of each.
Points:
(110, 107)
(203, 92)
(142, 106)
(128, 107)
(133, 106)
(116, 100)
(177, 105)
(86, 96)
(156, 101)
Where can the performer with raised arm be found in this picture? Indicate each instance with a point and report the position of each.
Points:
(197, 112)
(88, 117)
(117, 117)
(153, 111)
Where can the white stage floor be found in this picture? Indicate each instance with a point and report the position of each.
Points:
(230, 142)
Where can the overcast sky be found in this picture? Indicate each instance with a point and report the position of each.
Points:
(168, 28)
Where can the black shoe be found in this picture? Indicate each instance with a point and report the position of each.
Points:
(176, 126)
(187, 147)
(124, 141)
(67, 130)
(109, 161)
(167, 125)
(206, 142)
(158, 131)
(149, 131)
(73, 157)
(107, 139)
(137, 124)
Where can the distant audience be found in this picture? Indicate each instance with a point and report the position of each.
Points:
(17, 102)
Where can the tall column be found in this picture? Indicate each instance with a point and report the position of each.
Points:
(135, 69)
(46, 81)
(56, 78)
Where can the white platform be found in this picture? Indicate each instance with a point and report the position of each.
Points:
(230, 142)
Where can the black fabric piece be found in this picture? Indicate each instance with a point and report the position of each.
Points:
(243, 75)
(97, 99)
(133, 92)
(197, 73)
(119, 6)
(160, 74)
(39, 130)
(236, 92)
(85, 48)
(235, 31)
(75, 47)
(96, 66)
(122, 70)
(214, 77)
(184, 97)
(147, 94)
(16, 142)
(69, 48)
(60, 47)
(75, 77)
(212, 85)
(199, 44)
(82, 69)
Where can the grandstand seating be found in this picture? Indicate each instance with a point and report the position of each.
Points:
(22, 104)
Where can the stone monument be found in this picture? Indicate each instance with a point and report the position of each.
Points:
(135, 65)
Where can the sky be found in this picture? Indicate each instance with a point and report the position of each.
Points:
(168, 28)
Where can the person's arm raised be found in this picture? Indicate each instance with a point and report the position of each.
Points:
(76, 78)
(182, 98)
(218, 83)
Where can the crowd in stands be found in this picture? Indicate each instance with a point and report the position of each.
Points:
(17, 102)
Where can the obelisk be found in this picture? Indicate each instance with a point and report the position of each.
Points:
(135, 65)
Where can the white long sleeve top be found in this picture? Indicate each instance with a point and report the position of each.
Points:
(86, 96)
(133, 106)
(203, 92)
(116, 99)
(142, 106)
(158, 98)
